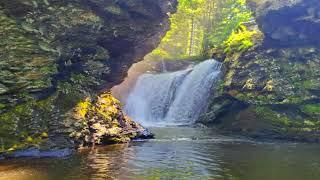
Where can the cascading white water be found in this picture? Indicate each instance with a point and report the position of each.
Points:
(164, 68)
(173, 98)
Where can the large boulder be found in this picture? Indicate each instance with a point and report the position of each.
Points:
(102, 121)
(56, 53)
(288, 22)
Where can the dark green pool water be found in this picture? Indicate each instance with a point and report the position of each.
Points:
(178, 153)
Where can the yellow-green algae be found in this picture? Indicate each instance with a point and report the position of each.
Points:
(102, 121)
(16, 125)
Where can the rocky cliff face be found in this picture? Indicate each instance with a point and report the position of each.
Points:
(288, 23)
(56, 53)
(273, 90)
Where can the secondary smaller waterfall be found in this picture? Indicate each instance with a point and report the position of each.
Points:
(164, 68)
(173, 98)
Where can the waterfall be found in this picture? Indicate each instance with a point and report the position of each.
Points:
(164, 68)
(173, 98)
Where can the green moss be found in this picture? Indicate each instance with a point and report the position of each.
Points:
(2, 106)
(9, 125)
(25, 125)
(311, 109)
(114, 9)
(293, 100)
(81, 79)
(311, 84)
(25, 142)
(28, 65)
(102, 54)
(240, 40)
(45, 105)
(109, 121)
(220, 87)
(287, 125)
(241, 96)
(68, 96)
(229, 77)
(273, 117)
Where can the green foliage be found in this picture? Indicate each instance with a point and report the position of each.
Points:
(230, 15)
(191, 7)
(200, 25)
(239, 40)
(176, 43)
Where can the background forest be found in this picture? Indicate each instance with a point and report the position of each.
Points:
(199, 26)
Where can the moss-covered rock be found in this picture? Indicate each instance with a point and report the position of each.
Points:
(276, 76)
(277, 80)
(311, 109)
(26, 125)
(267, 122)
(288, 23)
(56, 53)
(101, 121)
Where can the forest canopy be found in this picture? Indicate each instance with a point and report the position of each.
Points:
(201, 25)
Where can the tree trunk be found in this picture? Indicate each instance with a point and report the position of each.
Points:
(191, 36)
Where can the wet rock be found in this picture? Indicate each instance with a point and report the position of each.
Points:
(277, 80)
(55, 54)
(103, 122)
(39, 154)
(145, 134)
(219, 106)
(288, 23)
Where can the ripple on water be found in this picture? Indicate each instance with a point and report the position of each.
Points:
(178, 153)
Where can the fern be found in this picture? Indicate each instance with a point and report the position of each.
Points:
(240, 40)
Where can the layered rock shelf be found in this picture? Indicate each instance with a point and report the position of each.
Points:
(57, 53)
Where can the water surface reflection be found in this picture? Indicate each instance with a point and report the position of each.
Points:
(178, 153)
